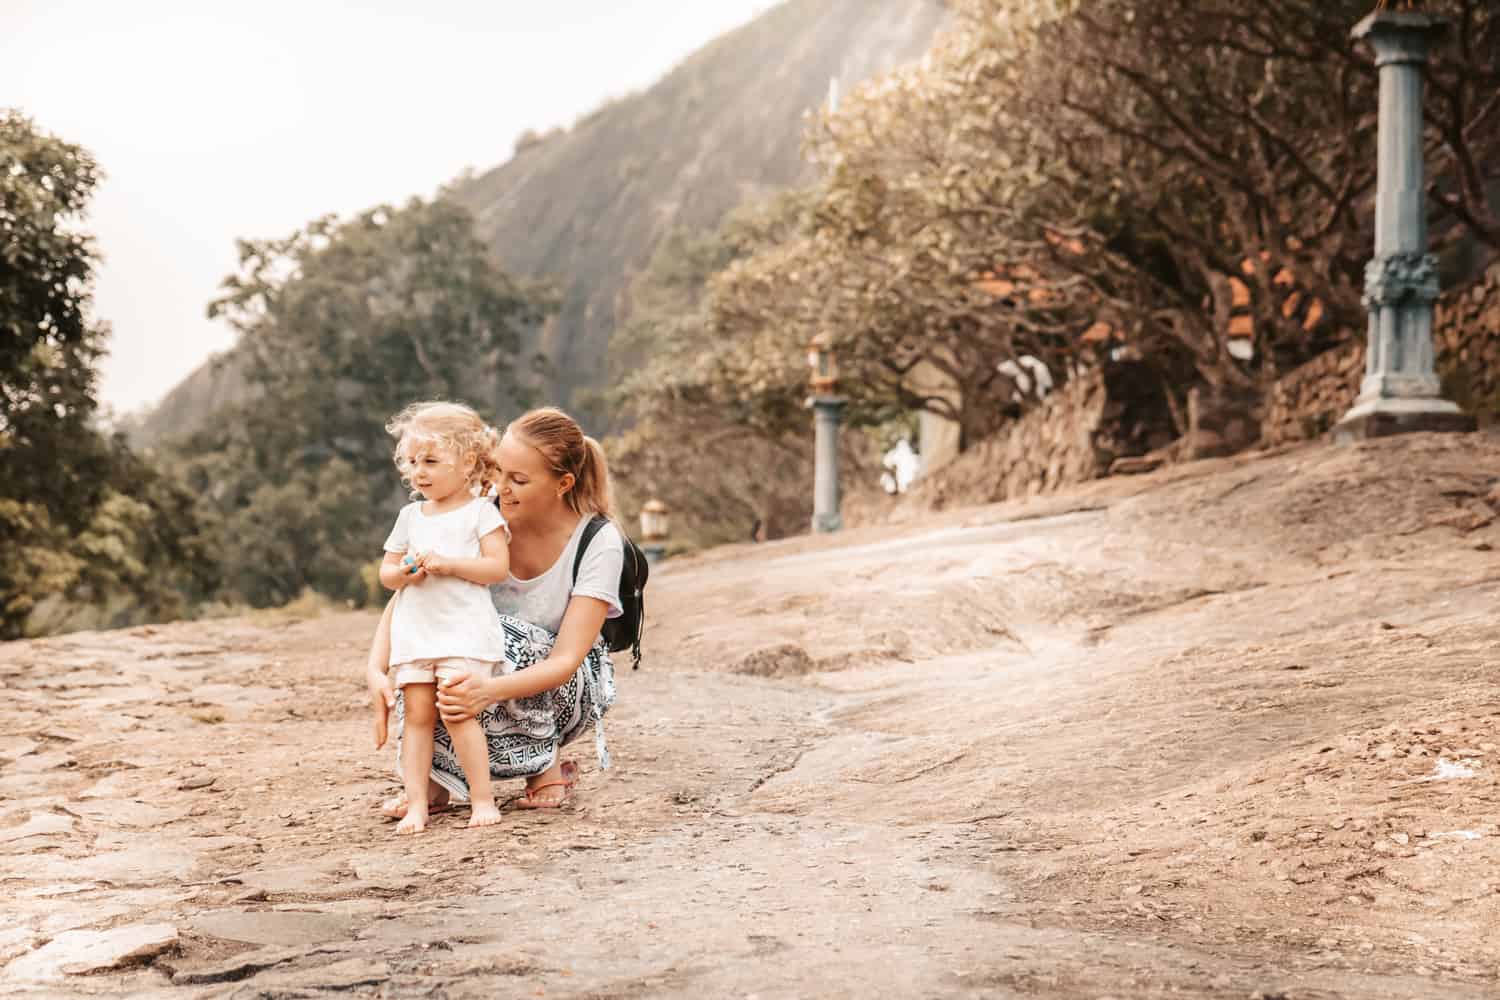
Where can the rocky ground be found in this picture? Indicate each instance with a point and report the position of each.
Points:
(1228, 730)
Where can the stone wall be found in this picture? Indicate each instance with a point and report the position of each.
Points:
(1222, 420)
(1466, 335)
(1074, 435)
(1115, 419)
(1308, 401)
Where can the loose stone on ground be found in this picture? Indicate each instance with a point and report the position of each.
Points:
(85, 952)
(275, 927)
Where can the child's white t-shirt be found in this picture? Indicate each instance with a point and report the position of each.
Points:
(445, 615)
(543, 600)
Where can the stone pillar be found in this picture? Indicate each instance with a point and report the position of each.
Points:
(827, 410)
(1400, 391)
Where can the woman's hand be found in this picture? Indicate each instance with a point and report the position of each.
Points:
(463, 696)
(382, 700)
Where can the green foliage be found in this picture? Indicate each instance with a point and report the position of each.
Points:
(84, 522)
(1060, 181)
(343, 323)
(37, 562)
(313, 530)
(49, 351)
(146, 540)
(586, 205)
(340, 325)
(711, 382)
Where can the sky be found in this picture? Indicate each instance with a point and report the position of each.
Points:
(216, 120)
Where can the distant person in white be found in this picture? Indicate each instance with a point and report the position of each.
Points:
(556, 676)
(445, 549)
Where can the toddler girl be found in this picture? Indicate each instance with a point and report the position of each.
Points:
(444, 551)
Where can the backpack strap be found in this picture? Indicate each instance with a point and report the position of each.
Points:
(631, 553)
(640, 627)
(589, 531)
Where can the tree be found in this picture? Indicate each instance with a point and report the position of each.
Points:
(82, 519)
(1059, 183)
(1066, 181)
(1464, 81)
(340, 325)
(691, 387)
(50, 349)
(911, 258)
(1214, 148)
(925, 173)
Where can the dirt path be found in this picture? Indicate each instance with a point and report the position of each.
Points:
(1226, 731)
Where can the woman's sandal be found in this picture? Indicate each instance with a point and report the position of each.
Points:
(529, 800)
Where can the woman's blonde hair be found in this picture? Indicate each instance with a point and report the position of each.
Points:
(453, 426)
(568, 450)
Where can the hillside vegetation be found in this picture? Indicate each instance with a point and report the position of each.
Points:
(585, 206)
(1178, 196)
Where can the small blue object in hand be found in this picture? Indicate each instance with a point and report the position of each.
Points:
(410, 563)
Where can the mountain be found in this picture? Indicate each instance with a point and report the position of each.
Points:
(585, 206)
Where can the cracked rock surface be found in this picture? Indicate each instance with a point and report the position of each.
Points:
(1223, 730)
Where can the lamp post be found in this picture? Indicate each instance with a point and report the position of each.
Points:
(1400, 391)
(654, 531)
(828, 409)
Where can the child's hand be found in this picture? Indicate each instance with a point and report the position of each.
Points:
(435, 564)
(382, 700)
(416, 570)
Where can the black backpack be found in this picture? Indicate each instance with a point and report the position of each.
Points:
(624, 632)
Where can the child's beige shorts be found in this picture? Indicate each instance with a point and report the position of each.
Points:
(430, 671)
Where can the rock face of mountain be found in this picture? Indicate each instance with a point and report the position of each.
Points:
(584, 207)
(191, 403)
(587, 206)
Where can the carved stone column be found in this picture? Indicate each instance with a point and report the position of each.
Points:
(1400, 391)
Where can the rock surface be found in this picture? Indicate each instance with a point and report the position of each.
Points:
(86, 952)
(1223, 729)
(267, 927)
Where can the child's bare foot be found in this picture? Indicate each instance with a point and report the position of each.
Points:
(484, 814)
(415, 821)
(395, 807)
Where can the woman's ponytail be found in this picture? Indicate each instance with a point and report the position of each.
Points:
(592, 486)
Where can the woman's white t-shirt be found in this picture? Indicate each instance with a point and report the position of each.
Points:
(542, 600)
(444, 615)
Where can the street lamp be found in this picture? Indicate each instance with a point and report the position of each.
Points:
(824, 365)
(1400, 391)
(654, 530)
(827, 410)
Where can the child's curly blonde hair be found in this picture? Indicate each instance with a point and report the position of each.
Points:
(453, 426)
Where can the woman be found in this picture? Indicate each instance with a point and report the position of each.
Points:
(553, 480)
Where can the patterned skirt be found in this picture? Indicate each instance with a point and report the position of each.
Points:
(525, 734)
